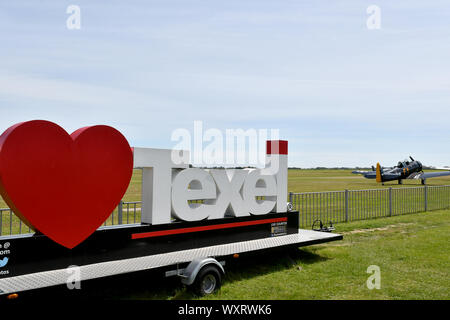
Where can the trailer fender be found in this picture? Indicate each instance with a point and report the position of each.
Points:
(190, 273)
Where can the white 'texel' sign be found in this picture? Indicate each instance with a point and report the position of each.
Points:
(168, 188)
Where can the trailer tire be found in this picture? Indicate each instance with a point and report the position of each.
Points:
(208, 280)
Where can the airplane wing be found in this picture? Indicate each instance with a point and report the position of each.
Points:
(440, 168)
(360, 172)
(428, 175)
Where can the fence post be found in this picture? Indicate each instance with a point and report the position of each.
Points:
(425, 188)
(120, 212)
(346, 205)
(390, 202)
(290, 197)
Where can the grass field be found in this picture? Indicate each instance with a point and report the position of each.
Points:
(412, 252)
(307, 180)
(300, 180)
(303, 180)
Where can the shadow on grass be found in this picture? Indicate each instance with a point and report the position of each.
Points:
(152, 285)
(261, 263)
(308, 256)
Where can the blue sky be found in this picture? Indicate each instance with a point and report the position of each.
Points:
(343, 95)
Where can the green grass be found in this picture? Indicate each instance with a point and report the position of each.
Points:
(308, 180)
(413, 253)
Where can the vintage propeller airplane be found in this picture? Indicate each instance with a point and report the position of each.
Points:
(403, 170)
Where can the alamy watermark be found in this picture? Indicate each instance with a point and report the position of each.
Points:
(229, 148)
(73, 22)
(373, 22)
(73, 281)
(374, 281)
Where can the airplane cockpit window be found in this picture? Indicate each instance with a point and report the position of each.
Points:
(400, 165)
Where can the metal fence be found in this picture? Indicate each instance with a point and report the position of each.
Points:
(125, 213)
(352, 205)
(334, 206)
(10, 224)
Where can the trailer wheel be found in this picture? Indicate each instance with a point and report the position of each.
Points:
(207, 281)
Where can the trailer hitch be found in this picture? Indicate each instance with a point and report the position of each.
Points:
(319, 226)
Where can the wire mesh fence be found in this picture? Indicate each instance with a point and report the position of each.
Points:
(352, 205)
(333, 206)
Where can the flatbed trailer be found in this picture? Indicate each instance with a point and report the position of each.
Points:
(244, 210)
(195, 252)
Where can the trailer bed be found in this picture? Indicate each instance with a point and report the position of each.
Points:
(110, 268)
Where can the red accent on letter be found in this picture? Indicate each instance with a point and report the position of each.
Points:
(277, 147)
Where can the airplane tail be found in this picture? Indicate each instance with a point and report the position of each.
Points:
(379, 173)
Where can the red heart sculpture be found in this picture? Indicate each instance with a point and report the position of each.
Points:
(64, 186)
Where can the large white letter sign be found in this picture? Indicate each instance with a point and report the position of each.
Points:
(259, 185)
(157, 168)
(192, 184)
(277, 165)
(168, 192)
(229, 193)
